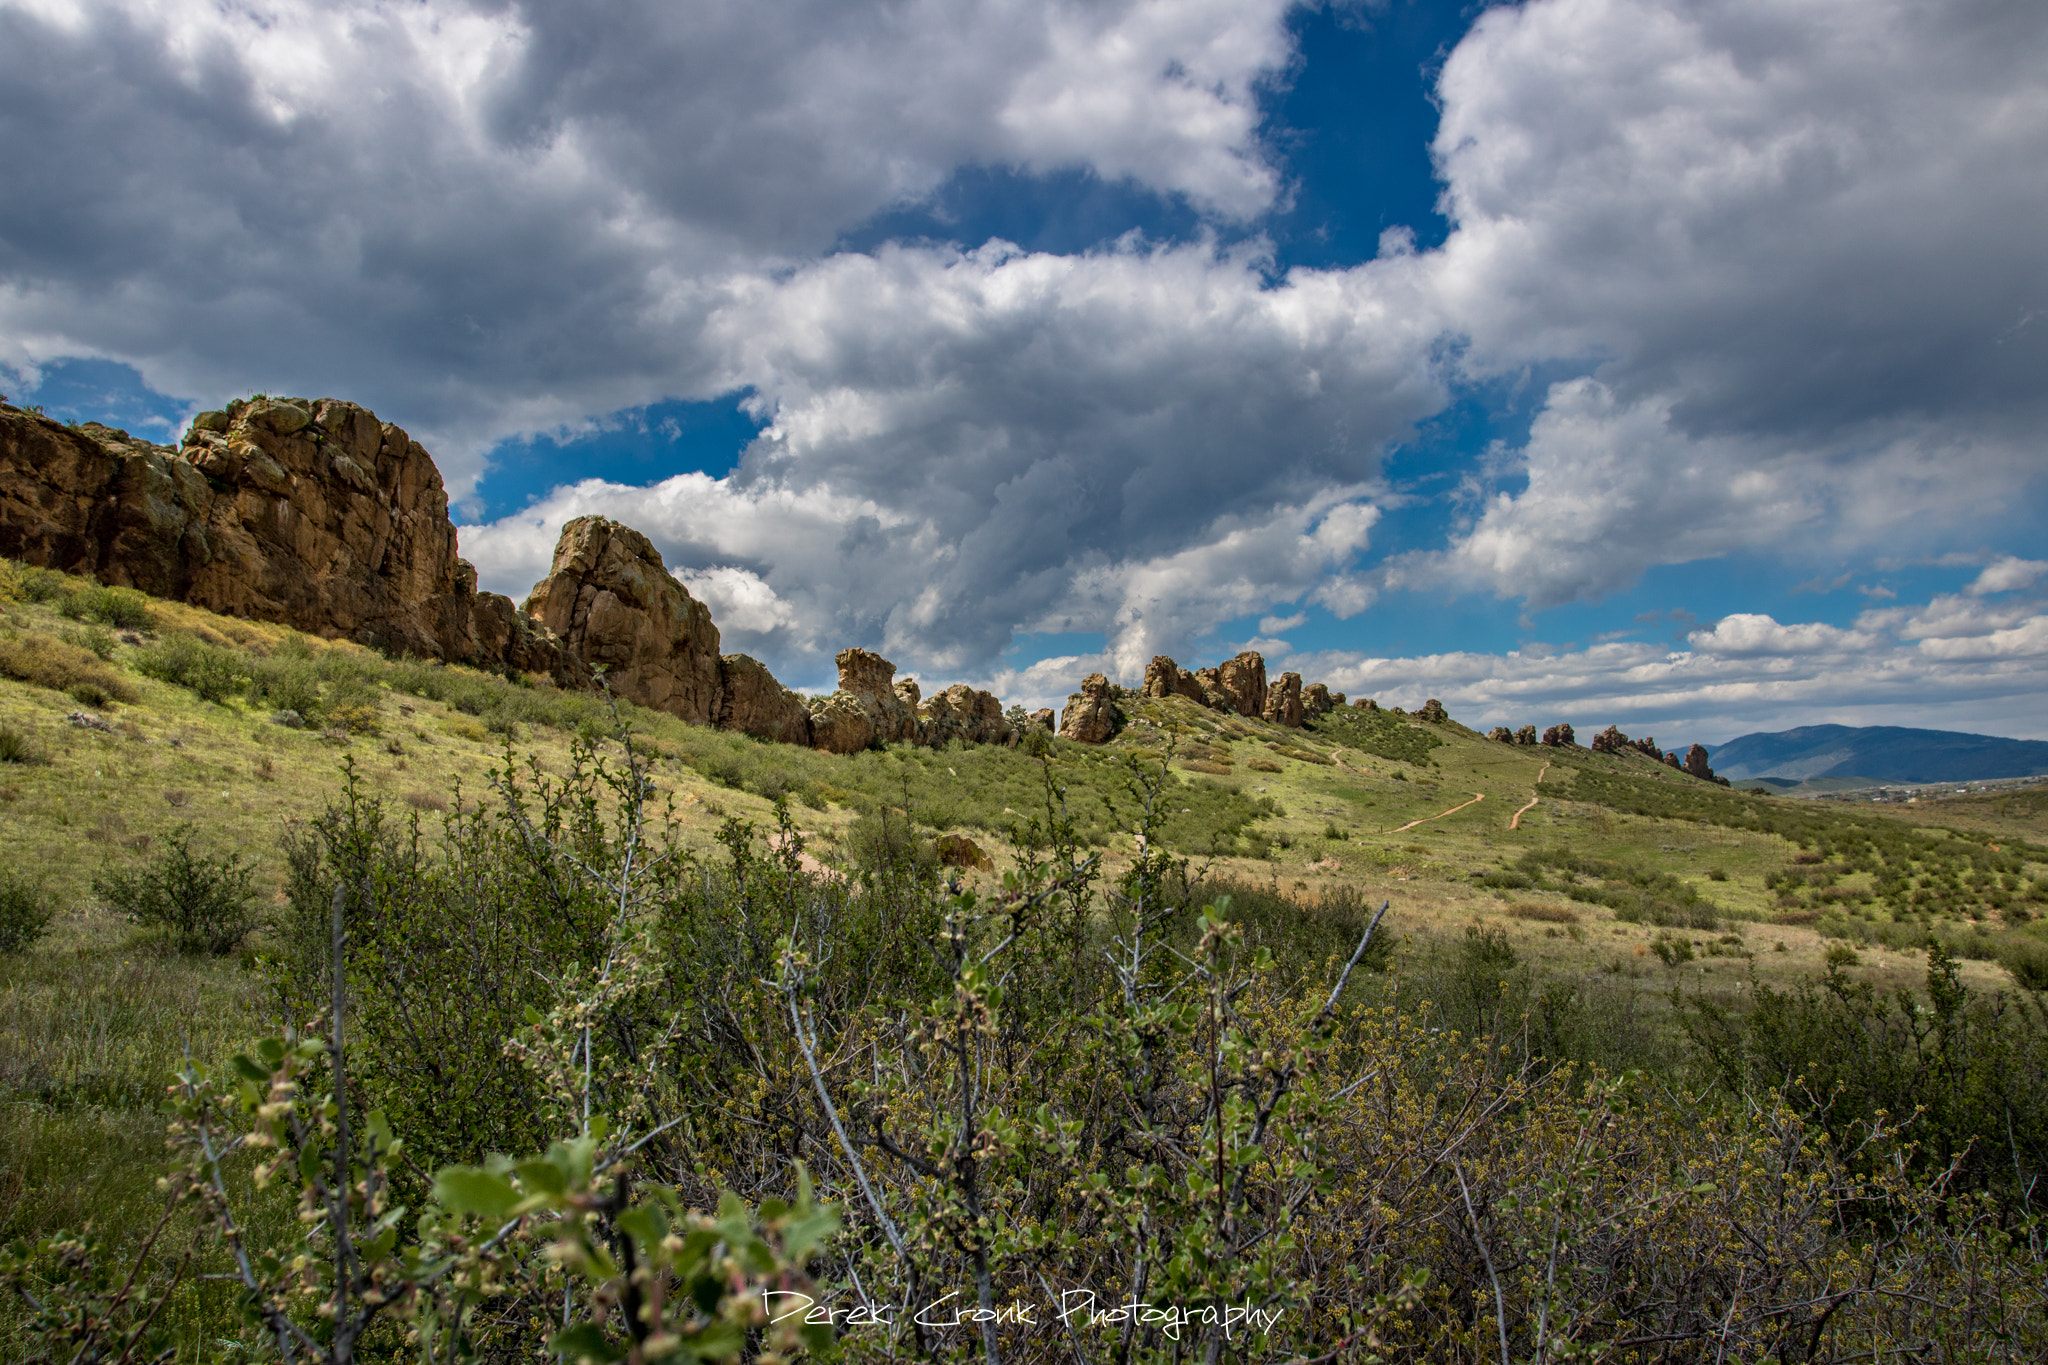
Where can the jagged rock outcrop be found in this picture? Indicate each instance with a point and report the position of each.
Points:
(1090, 716)
(1647, 747)
(1696, 765)
(1433, 712)
(616, 605)
(1500, 734)
(1560, 736)
(310, 512)
(867, 709)
(752, 702)
(1165, 678)
(1366, 704)
(1526, 736)
(1283, 701)
(1239, 682)
(960, 712)
(1043, 719)
(1610, 741)
(1671, 760)
(1318, 701)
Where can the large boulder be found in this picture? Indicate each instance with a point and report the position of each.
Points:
(309, 512)
(1318, 701)
(1090, 715)
(1433, 712)
(752, 702)
(615, 605)
(1283, 701)
(1561, 736)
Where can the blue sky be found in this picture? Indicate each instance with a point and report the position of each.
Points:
(1628, 361)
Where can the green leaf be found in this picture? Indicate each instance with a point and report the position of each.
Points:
(468, 1189)
(585, 1341)
(249, 1070)
(543, 1176)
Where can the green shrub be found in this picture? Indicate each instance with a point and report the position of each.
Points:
(24, 911)
(206, 904)
(95, 638)
(122, 607)
(286, 682)
(17, 747)
(49, 662)
(210, 672)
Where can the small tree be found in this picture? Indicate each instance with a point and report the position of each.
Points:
(206, 903)
(24, 912)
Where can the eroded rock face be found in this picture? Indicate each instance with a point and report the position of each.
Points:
(960, 712)
(1043, 719)
(1283, 701)
(1610, 741)
(1647, 747)
(1433, 712)
(1242, 682)
(1696, 765)
(1090, 716)
(1165, 678)
(867, 709)
(310, 512)
(1526, 736)
(1560, 736)
(1366, 704)
(751, 701)
(1500, 734)
(1318, 701)
(615, 605)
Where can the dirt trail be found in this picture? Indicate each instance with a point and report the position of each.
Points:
(1476, 798)
(1516, 823)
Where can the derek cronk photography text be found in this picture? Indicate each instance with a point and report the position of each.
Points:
(1076, 1308)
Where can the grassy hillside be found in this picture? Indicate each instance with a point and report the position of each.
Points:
(125, 721)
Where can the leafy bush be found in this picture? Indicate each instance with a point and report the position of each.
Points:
(121, 607)
(95, 638)
(206, 903)
(286, 682)
(1380, 733)
(1636, 894)
(25, 911)
(17, 747)
(1966, 1076)
(209, 671)
(48, 662)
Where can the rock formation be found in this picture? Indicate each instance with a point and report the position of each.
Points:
(1696, 765)
(1366, 704)
(866, 710)
(1165, 678)
(1526, 736)
(1241, 683)
(1318, 701)
(1283, 701)
(1433, 712)
(752, 702)
(1500, 734)
(960, 712)
(1090, 716)
(616, 606)
(1671, 760)
(1560, 736)
(1647, 747)
(1610, 741)
(308, 512)
(1043, 719)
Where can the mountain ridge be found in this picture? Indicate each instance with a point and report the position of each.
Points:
(1884, 753)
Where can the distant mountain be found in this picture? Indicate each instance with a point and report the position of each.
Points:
(1882, 753)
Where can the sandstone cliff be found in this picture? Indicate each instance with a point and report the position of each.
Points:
(310, 512)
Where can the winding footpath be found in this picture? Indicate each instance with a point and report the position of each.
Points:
(1477, 797)
(1516, 823)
